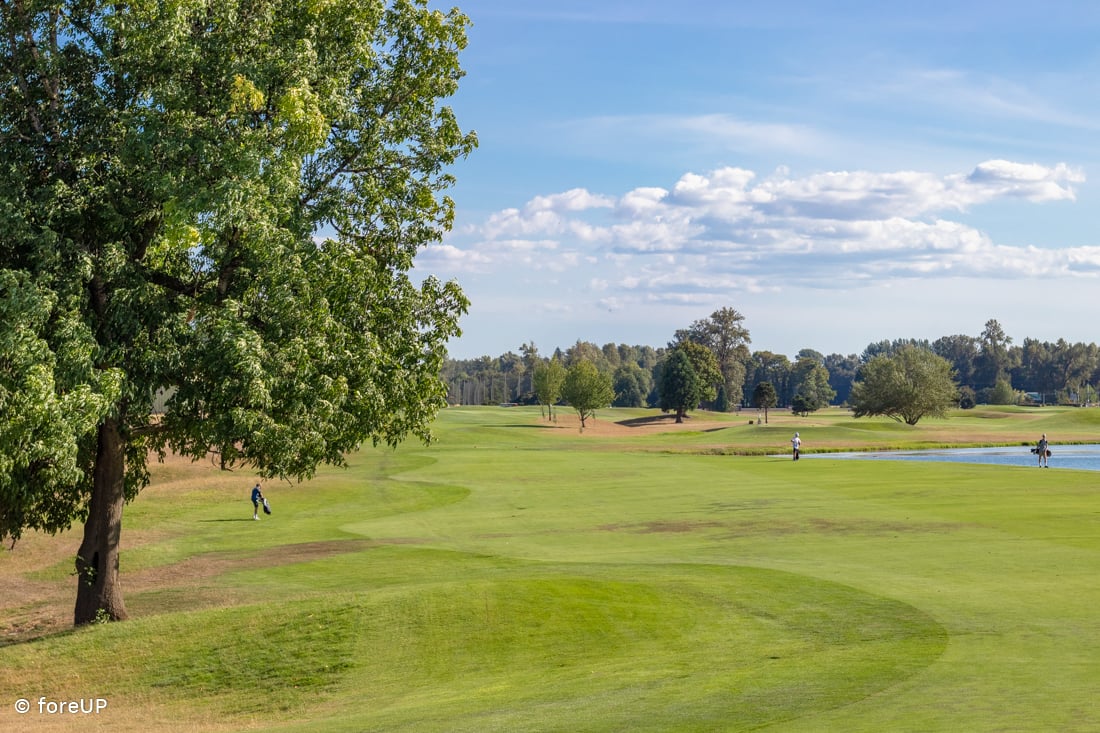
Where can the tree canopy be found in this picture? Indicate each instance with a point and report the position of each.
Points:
(763, 396)
(220, 203)
(586, 390)
(907, 385)
(679, 388)
(547, 383)
(812, 390)
(689, 376)
(631, 384)
(725, 335)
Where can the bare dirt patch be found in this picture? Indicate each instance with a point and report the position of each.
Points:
(218, 563)
(33, 608)
(605, 425)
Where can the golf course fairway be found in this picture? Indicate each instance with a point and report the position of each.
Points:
(523, 575)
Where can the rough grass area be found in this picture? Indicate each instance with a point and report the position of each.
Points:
(524, 575)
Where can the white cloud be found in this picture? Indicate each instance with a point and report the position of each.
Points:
(1003, 178)
(726, 231)
(641, 201)
(577, 199)
(447, 257)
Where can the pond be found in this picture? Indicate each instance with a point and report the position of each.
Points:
(1081, 457)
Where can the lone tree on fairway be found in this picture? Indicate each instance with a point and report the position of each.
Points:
(586, 390)
(168, 168)
(688, 376)
(907, 385)
(764, 396)
(547, 382)
(678, 387)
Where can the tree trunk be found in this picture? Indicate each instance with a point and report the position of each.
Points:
(98, 593)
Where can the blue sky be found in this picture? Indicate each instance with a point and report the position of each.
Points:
(840, 173)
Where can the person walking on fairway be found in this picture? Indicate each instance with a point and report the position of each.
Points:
(796, 446)
(257, 499)
(1043, 449)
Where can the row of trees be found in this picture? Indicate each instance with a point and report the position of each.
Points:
(987, 368)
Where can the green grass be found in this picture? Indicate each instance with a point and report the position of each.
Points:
(520, 576)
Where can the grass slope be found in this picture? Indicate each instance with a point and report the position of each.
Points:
(522, 575)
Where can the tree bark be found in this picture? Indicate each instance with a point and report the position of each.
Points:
(98, 591)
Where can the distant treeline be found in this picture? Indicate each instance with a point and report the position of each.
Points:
(988, 368)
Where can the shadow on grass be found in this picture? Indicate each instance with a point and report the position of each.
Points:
(236, 519)
(638, 422)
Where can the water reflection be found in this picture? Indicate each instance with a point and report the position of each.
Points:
(1082, 457)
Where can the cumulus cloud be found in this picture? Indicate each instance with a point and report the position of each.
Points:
(1003, 178)
(728, 230)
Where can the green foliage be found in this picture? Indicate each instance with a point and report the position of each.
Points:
(726, 337)
(721, 402)
(705, 364)
(907, 385)
(679, 388)
(1002, 393)
(812, 388)
(772, 368)
(586, 390)
(51, 403)
(166, 171)
(689, 376)
(802, 405)
(547, 382)
(764, 395)
(631, 384)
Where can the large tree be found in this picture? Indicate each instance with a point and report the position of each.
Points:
(764, 397)
(810, 381)
(631, 384)
(218, 203)
(688, 376)
(842, 372)
(768, 367)
(907, 385)
(995, 358)
(962, 351)
(679, 388)
(727, 338)
(587, 389)
(547, 382)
